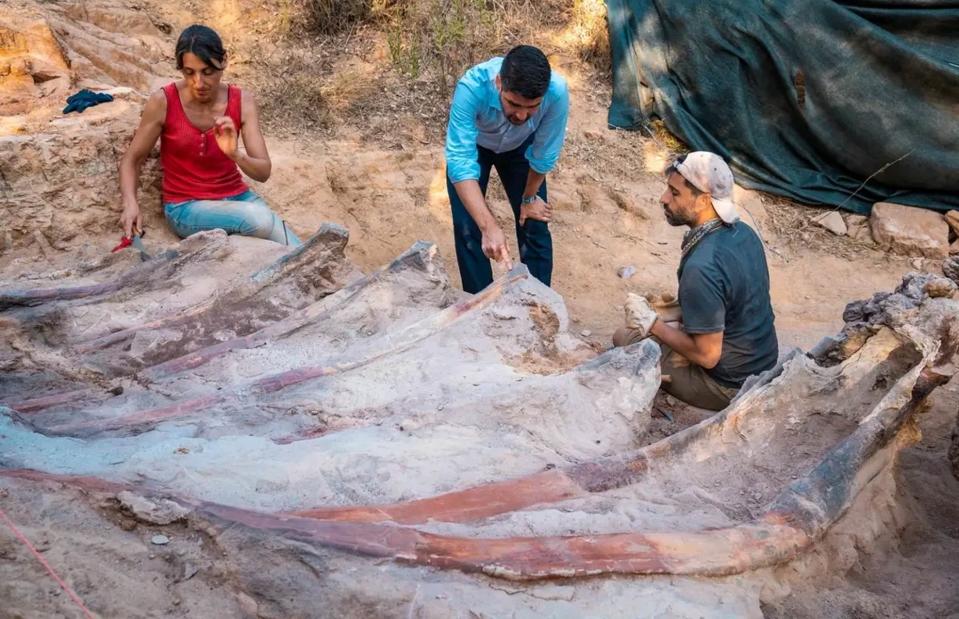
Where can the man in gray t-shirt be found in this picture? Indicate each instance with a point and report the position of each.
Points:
(727, 331)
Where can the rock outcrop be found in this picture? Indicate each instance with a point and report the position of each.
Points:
(909, 230)
(58, 173)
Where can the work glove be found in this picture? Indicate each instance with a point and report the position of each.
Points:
(666, 306)
(80, 101)
(640, 316)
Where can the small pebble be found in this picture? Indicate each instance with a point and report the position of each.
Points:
(159, 540)
(586, 333)
(626, 272)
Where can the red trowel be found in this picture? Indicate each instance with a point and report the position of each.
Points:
(136, 241)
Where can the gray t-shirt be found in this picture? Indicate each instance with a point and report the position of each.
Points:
(724, 286)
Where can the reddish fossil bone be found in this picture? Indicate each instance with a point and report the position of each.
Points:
(463, 506)
(35, 405)
(797, 518)
(717, 552)
(408, 337)
(94, 484)
(149, 417)
(270, 384)
(39, 296)
(714, 552)
(793, 522)
(328, 242)
(419, 255)
(115, 337)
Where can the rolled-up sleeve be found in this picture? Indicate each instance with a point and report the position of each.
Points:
(461, 155)
(543, 153)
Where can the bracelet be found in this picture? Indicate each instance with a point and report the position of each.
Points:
(529, 199)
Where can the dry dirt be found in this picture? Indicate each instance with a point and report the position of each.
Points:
(371, 160)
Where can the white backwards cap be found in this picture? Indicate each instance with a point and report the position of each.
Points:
(708, 173)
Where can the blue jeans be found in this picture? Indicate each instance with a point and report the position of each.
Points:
(246, 214)
(533, 237)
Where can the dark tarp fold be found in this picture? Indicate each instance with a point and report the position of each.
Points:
(805, 98)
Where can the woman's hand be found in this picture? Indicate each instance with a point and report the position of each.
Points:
(226, 136)
(130, 219)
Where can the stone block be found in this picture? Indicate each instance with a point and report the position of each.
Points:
(952, 218)
(831, 221)
(909, 230)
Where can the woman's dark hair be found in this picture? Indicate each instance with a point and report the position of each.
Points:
(525, 71)
(204, 43)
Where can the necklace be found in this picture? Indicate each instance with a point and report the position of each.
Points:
(697, 234)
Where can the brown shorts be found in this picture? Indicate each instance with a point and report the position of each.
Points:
(683, 380)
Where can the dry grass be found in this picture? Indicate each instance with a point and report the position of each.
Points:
(426, 46)
(587, 35)
(327, 17)
(442, 38)
(299, 95)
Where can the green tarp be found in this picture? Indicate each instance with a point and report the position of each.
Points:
(805, 98)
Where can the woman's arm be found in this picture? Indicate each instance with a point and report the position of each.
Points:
(146, 136)
(255, 162)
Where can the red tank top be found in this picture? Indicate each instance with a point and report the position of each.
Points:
(194, 167)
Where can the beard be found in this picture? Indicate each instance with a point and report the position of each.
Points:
(676, 218)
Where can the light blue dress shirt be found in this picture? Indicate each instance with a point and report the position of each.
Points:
(477, 118)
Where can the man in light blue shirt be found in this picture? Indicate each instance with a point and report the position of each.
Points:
(510, 114)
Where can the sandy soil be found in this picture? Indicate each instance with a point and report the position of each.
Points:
(915, 571)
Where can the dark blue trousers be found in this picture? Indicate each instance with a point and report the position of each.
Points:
(533, 238)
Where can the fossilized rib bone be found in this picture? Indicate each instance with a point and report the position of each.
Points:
(917, 357)
(797, 518)
(158, 267)
(793, 522)
(35, 405)
(419, 256)
(270, 384)
(144, 276)
(311, 271)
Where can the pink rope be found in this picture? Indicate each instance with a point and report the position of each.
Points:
(43, 562)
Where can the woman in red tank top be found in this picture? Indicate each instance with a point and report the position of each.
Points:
(199, 122)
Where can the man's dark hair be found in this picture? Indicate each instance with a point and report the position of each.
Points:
(526, 72)
(204, 43)
(672, 168)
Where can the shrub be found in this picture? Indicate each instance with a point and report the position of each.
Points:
(443, 37)
(335, 16)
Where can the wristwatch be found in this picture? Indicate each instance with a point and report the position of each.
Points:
(529, 199)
